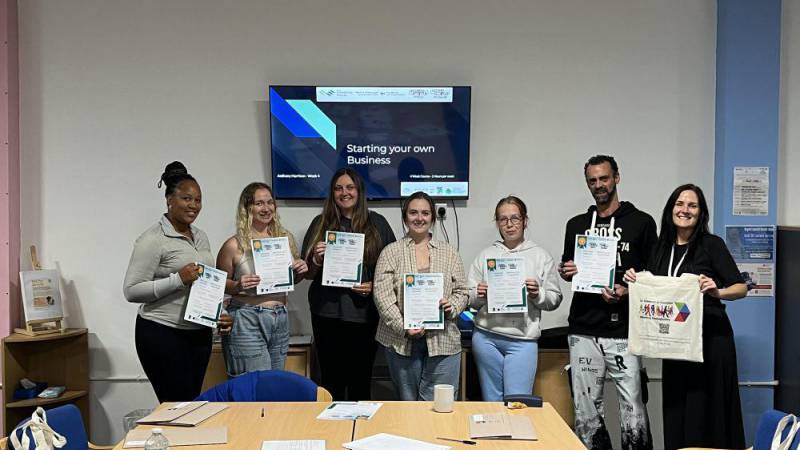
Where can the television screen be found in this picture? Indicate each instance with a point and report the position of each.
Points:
(400, 139)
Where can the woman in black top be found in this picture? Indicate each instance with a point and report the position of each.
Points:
(700, 400)
(344, 320)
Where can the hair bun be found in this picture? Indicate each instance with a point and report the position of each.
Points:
(173, 169)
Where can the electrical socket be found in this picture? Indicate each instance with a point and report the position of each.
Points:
(441, 211)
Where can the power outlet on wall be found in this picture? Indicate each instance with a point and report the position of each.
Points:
(441, 211)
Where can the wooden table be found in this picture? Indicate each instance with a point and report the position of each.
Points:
(281, 421)
(416, 420)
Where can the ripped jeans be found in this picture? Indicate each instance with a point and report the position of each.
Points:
(259, 339)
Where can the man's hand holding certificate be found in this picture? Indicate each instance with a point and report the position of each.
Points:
(205, 297)
(344, 259)
(507, 292)
(421, 295)
(596, 259)
(272, 258)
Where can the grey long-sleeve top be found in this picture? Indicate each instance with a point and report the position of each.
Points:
(152, 277)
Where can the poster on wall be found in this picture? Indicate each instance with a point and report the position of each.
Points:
(751, 242)
(759, 277)
(750, 191)
(41, 298)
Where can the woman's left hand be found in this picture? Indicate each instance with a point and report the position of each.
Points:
(363, 289)
(447, 306)
(225, 323)
(708, 286)
(299, 267)
(533, 287)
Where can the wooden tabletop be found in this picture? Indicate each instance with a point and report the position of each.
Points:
(281, 421)
(417, 420)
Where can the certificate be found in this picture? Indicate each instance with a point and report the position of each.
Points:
(421, 295)
(596, 259)
(272, 260)
(205, 297)
(507, 292)
(344, 259)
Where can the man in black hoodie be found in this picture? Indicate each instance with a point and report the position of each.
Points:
(598, 323)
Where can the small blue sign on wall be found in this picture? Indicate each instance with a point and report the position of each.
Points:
(751, 242)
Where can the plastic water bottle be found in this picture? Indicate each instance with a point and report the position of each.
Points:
(156, 441)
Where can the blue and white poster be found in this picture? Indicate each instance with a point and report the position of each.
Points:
(751, 242)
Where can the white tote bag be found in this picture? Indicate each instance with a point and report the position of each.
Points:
(666, 317)
(44, 437)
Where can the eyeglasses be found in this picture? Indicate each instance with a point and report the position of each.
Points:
(513, 220)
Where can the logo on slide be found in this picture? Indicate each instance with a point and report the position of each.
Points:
(303, 118)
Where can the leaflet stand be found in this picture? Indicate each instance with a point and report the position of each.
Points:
(40, 326)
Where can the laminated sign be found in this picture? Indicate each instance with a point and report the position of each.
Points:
(666, 317)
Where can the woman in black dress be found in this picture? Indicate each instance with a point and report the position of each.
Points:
(701, 400)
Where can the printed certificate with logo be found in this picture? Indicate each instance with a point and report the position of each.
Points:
(507, 292)
(596, 259)
(344, 259)
(272, 259)
(205, 297)
(421, 295)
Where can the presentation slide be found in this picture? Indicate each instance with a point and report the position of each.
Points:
(400, 139)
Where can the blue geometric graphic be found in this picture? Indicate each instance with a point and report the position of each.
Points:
(303, 118)
(316, 118)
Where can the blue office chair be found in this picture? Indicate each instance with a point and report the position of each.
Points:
(266, 386)
(66, 420)
(766, 429)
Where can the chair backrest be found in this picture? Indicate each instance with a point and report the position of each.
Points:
(263, 386)
(66, 420)
(766, 429)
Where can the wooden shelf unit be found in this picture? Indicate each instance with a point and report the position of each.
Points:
(60, 359)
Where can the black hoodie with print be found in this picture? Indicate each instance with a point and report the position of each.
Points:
(589, 314)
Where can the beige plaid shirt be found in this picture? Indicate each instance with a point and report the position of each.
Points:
(399, 258)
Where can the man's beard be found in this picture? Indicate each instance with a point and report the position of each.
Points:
(602, 198)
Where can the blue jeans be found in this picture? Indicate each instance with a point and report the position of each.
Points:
(414, 376)
(505, 365)
(259, 339)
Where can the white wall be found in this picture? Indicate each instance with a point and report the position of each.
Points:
(112, 90)
(789, 156)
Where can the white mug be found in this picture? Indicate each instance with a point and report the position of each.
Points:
(443, 397)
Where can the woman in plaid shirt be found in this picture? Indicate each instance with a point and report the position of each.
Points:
(418, 359)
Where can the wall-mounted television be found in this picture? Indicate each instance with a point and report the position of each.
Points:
(400, 139)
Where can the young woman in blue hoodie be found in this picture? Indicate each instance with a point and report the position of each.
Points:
(505, 344)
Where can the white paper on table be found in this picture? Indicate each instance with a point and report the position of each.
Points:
(316, 444)
(349, 411)
(344, 259)
(384, 441)
(421, 295)
(272, 260)
(205, 297)
(596, 259)
(507, 292)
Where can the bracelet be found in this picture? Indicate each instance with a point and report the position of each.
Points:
(314, 261)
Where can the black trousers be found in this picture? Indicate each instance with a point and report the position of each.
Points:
(346, 353)
(701, 400)
(174, 360)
